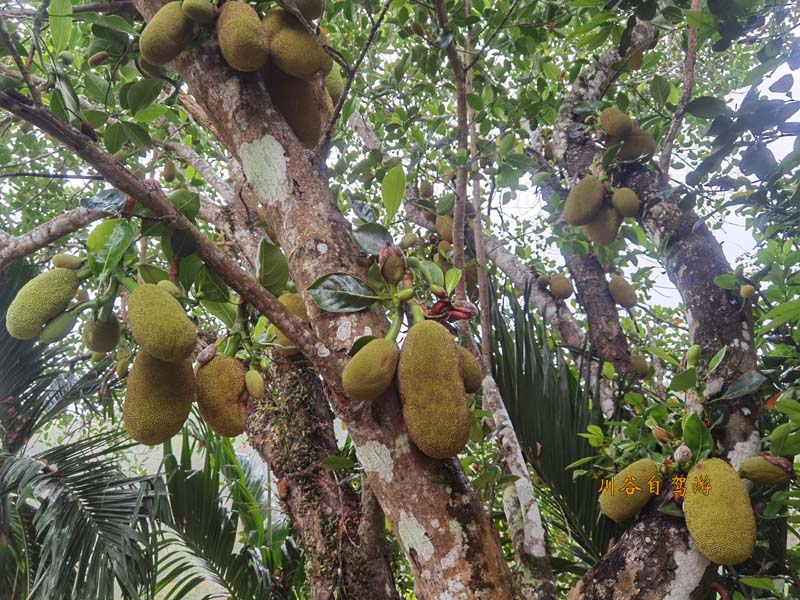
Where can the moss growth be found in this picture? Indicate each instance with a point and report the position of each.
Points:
(640, 366)
(603, 228)
(292, 48)
(296, 101)
(722, 523)
(615, 122)
(622, 292)
(431, 387)
(334, 83)
(616, 504)
(67, 261)
(241, 37)
(626, 202)
(158, 398)
(99, 336)
(444, 227)
(159, 324)
(222, 395)
(639, 144)
(370, 372)
(199, 11)
(294, 303)
(41, 299)
(584, 201)
(560, 287)
(471, 371)
(166, 35)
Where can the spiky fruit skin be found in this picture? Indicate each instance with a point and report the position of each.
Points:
(444, 247)
(584, 201)
(66, 261)
(99, 336)
(425, 189)
(292, 48)
(747, 291)
(622, 292)
(166, 35)
(41, 299)
(444, 227)
(639, 144)
(626, 202)
(470, 371)
(615, 122)
(759, 470)
(294, 304)
(722, 524)
(222, 395)
(241, 37)
(58, 327)
(603, 228)
(169, 172)
(158, 398)
(295, 100)
(640, 366)
(310, 9)
(431, 387)
(371, 371)
(334, 83)
(199, 11)
(254, 381)
(159, 324)
(409, 240)
(619, 506)
(560, 287)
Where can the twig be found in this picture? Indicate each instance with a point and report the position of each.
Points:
(52, 175)
(200, 165)
(100, 7)
(491, 37)
(9, 43)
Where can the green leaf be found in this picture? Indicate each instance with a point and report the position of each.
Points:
(273, 269)
(659, 88)
(717, 359)
(214, 288)
(142, 94)
(60, 14)
(475, 101)
(371, 237)
(115, 137)
(707, 107)
(341, 293)
(360, 343)
(137, 135)
(445, 204)
(684, 380)
(790, 408)
(780, 315)
(151, 274)
(334, 462)
(760, 583)
(697, 436)
(747, 383)
(107, 244)
(434, 272)
(726, 281)
(224, 311)
(186, 202)
(664, 355)
(393, 187)
(451, 279)
(785, 440)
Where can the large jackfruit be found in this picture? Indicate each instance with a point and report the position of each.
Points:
(371, 371)
(722, 523)
(199, 11)
(159, 324)
(296, 101)
(241, 37)
(292, 48)
(622, 291)
(99, 336)
(166, 35)
(471, 371)
(158, 398)
(603, 228)
(626, 202)
(639, 144)
(294, 304)
(615, 122)
(584, 201)
(435, 409)
(560, 287)
(334, 83)
(616, 503)
(310, 9)
(41, 299)
(222, 395)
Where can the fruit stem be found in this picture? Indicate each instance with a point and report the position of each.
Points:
(418, 316)
(396, 323)
(127, 282)
(107, 302)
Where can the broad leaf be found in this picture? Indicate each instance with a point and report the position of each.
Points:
(341, 293)
(371, 237)
(273, 270)
(393, 187)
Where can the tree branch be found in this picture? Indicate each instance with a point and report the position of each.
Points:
(52, 176)
(200, 165)
(100, 7)
(5, 36)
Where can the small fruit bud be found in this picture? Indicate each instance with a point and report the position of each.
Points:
(122, 367)
(682, 454)
(409, 240)
(692, 355)
(255, 384)
(392, 262)
(542, 281)
(662, 435)
(98, 58)
(405, 294)
(747, 291)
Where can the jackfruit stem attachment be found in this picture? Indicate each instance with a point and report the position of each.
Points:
(128, 283)
(231, 344)
(84, 273)
(417, 314)
(107, 302)
(396, 321)
(413, 263)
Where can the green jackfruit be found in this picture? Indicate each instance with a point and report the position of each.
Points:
(425, 189)
(67, 261)
(296, 101)
(150, 70)
(199, 11)
(294, 303)
(639, 144)
(222, 395)
(255, 384)
(99, 336)
(41, 299)
(241, 37)
(435, 409)
(615, 122)
(542, 281)
(584, 201)
(166, 35)
(334, 83)
(409, 240)
(444, 227)
(158, 398)
(622, 292)
(759, 470)
(640, 366)
(371, 371)
(96, 357)
(444, 247)
(170, 287)
(626, 202)
(292, 48)
(471, 371)
(603, 228)
(560, 287)
(159, 324)
(722, 523)
(616, 503)
(169, 172)
(98, 58)
(122, 367)
(310, 9)
(58, 327)
(747, 291)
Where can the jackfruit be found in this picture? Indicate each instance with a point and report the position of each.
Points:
(584, 201)
(560, 287)
(149, 70)
(542, 281)
(67, 261)
(98, 58)
(170, 287)
(425, 189)
(622, 292)
(99, 336)
(159, 324)
(640, 366)
(444, 247)
(759, 470)
(296, 101)
(58, 327)
(634, 59)
(292, 48)
(370, 372)
(310, 9)
(548, 151)
(96, 357)
(122, 367)
(444, 227)
(334, 83)
(435, 409)
(199, 11)
(603, 228)
(626, 202)
(409, 240)
(42, 298)
(255, 384)
(294, 303)
(616, 503)
(471, 371)
(721, 521)
(747, 291)
(241, 37)
(222, 395)
(615, 122)
(158, 398)
(166, 35)
(169, 172)
(639, 144)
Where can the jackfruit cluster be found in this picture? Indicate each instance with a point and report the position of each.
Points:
(158, 398)
(587, 206)
(292, 48)
(721, 521)
(222, 395)
(617, 503)
(622, 292)
(41, 299)
(370, 372)
(584, 201)
(294, 304)
(99, 336)
(431, 386)
(241, 37)
(159, 324)
(166, 35)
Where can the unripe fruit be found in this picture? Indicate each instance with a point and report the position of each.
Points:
(58, 327)
(560, 287)
(67, 261)
(170, 287)
(255, 384)
(98, 58)
(693, 355)
(426, 189)
(409, 240)
(747, 291)
(169, 172)
(640, 366)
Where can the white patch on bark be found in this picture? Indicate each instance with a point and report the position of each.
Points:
(264, 166)
(451, 558)
(413, 535)
(435, 523)
(714, 386)
(690, 567)
(401, 445)
(377, 458)
(344, 330)
(367, 330)
(322, 350)
(322, 248)
(744, 450)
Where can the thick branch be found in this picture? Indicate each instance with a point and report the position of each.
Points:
(100, 7)
(189, 156)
